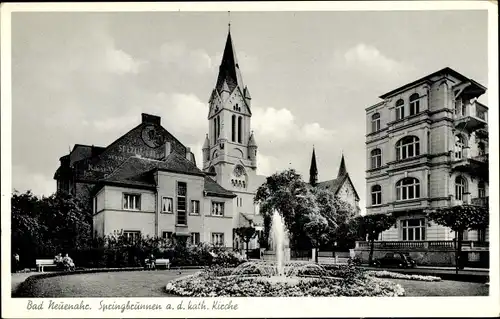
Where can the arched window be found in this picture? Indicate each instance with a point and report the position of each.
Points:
(376, 122)
(400, 109)
(376, 156)
(481, 189)
(376, 195)
(240, 119)
(408, 146)
(408, 188)
(459, 146)
(233, 128)
(460, 187)
(218, 125)
(414, 104)
(215, 130)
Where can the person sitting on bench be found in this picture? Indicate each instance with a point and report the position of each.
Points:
(58, 260)
(69, 265)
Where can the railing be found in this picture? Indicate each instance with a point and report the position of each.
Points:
(430, 244)
(480, 201)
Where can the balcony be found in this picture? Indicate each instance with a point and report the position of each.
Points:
(466, 162)
(470, 116)
(480, 201)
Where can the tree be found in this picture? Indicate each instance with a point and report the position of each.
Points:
(246, 233)
(43, 226)
(287, 193)
(459, 219)
(372, 226)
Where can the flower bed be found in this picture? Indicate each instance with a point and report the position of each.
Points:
(394, 275)
(212, 283)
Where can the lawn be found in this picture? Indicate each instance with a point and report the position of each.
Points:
(152, 284)
(415, 288)
(107, 284)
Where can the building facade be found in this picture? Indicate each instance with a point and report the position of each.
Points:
(427, 147)
(146, 183)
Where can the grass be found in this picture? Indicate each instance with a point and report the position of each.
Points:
(110, 284)
(152, 284)
(415, 288)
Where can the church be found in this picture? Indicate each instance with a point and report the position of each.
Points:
(147, 183)
(342, 186)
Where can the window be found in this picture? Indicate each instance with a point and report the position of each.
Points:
(460, 107)
(413, 229)
(132, 235)
(481, 149)
(181, 203)
(459, 146)
(217, 209)
(233, 128)
(481, 189)
(240, 119)
(215, 130)
(218, 239)
(481, 234)
(167, 205)
(414, 104)
(460, 188)
(131, 201)
(408, 188)
(376, 122)
(195, 207)
(400, 109)
(408, 146)
(376, 156)
(95, 204)
(195, 238)
(166, 235)
(376, 195)
(218, 125)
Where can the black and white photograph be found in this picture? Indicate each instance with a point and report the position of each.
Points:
(166, 156)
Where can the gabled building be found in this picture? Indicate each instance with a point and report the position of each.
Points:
(427, 147)
(342, 186)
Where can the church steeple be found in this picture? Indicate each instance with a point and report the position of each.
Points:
(313, 170)
(342, 168)
(229, 70)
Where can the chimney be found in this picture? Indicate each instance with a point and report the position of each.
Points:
(167, 149)
(151, 119)
(188, 154)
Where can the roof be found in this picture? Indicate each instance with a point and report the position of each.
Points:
(212, 188)
(138, 171)
(342, 168)
(256, 220)
(446, 70)
(335, 184)
(229, 70)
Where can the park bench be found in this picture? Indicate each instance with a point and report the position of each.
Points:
(41, 263)
(159, 262)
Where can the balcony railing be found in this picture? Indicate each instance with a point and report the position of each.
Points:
(480, 201)
(424, 245)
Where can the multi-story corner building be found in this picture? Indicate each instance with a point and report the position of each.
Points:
(146, 183)
(427, 147)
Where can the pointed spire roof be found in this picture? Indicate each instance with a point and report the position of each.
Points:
(342, 168)
(229, 69)
(313, 170)
(251, 140)
(247, 94)
(207, 142)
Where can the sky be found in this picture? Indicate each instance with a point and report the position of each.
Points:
(85, 78)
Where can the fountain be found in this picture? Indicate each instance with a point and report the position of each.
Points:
(277, 270)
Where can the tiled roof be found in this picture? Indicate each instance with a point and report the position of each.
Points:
(138, 171)
(335, 184)
(256, 220)
(212, 188)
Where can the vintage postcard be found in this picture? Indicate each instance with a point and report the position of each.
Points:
(250, 159)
